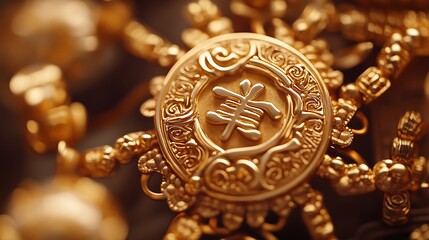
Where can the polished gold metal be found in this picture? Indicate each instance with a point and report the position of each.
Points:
(144, 43)
(102, 161)
(347, 179)
(206, 20)
(66, 206)
(194, 124)
(396, 176)
(45, 105)
(260, 10)
(378, 25)
(372, 83)
(243, 121)
(314, 18)
(220, 98)
(77, 36)
(420, 233)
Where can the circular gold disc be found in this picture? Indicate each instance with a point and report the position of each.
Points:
(245, 115)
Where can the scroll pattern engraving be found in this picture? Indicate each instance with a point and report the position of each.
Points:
(285, 166)
(237, 177)
(227, 58)
(178, 115)
(305, 84)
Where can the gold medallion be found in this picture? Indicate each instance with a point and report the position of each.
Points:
(243, 118)
(243, 121)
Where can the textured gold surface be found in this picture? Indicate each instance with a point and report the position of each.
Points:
(45, 105)
(243, 121)
(57, 208)
(204, 87)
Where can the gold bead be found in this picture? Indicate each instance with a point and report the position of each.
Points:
(396, 208)
(420, 173)
(41, 93)
(168, 54)
(68, 159)
(142, 42)
(39, 88)
(313, 20)
(258, 9)
(372, 83)
(283, 31)
(193, 36)
(127, 147)
(351, 93)
(99, 162)
(411, 126)
(219, 26)
(64, 207)
(8, 228)
(402, 151)
(64, 123)
(392, 177)
(114, 16)
(43, 31)
(420, 233)
(184, 227)
(353, 24)
(257, 3)
(394, 56)
(201, 12)
(419, 37)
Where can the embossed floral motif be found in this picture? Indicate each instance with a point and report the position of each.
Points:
(224, 176)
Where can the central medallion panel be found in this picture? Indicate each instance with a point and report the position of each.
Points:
(243, 117)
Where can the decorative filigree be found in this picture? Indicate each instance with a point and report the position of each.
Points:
(271, 163)
(306, 85)
(172, 187)
(227, 58)
(236, 178)
(276, 56)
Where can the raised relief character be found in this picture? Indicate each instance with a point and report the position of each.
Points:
(241, 111)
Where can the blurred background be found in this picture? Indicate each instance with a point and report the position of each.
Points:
(99, 73)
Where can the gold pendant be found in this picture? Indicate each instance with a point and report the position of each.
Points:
(242, 123)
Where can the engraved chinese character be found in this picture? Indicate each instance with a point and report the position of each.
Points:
(241, 111)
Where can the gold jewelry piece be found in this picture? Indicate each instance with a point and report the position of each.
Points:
(67, 206)
(77, 36)
(44, 102)
(57, 209)
(420, 233)
(243, 121)
(403, 172)
(54, 209)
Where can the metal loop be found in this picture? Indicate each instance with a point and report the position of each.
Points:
(144, 179)
(351, 154)
(364, 120)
